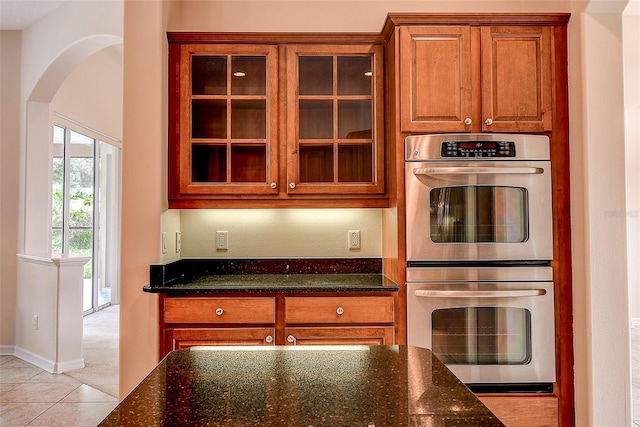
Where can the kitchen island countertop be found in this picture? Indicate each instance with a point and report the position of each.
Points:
(301, 386)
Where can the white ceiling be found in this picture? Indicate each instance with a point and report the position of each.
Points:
(20, 14)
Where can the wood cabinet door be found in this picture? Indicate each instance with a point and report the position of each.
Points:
(222, 310)
(363, 335)
(223, 120)
(516, 79)
(335, 117)
(436, 78)
(178, 338)
(338, 310)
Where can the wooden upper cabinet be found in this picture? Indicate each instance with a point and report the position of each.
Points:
(335, 119)
(516, 79)
(464, 78)
(436, 71)
(285, 120)
(227, 121)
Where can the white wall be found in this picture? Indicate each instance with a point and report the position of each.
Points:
(10, 45)
(91, 95)
(631, 46)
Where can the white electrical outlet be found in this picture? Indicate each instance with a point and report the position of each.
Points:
(354, 239)
(164, 242)
(178, 242)
(35, 322)
(222, 240)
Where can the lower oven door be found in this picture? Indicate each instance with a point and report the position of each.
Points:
(497, 333)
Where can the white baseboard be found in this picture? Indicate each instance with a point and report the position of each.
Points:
(7, 350)
(46, 364)
(635, 322)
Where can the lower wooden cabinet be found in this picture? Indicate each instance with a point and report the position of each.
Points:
(177, 338)
(287, 319)
(363, 335)
(523, 411)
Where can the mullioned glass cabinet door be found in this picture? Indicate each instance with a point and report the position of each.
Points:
(334, 111)
(228, 113)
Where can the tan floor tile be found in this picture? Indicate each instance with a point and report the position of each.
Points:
(21, 414)
(38, 392)
(12, 375)
(6, 387)
(46, 377)
(86, 393)
(74, 414)
(6, 358)
(17, 363)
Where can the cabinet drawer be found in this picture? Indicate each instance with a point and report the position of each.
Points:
(338, 310)
(219, 310)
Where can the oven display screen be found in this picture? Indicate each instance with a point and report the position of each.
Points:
(478, 149)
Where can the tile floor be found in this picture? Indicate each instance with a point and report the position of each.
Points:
(30, 396)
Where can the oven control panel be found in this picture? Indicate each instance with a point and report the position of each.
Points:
(478, 149)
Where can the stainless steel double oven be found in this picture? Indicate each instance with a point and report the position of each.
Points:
(480, 291)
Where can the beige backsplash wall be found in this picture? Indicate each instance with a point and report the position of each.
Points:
(274, 233)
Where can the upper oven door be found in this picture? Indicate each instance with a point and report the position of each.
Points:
(481, 210)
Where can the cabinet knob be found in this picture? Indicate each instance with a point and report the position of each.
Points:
(340, 310)
(219, 311)
(273, 185)
(291, 339)
(468, 121)
(269, 339)
(292, 185)
(489, 121)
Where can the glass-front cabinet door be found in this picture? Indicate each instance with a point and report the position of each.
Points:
(228, 133)
(334, 112)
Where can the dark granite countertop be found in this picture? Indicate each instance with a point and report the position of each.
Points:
(202, 276)
(301, 386)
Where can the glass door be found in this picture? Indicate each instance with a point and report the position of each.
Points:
(85, 210)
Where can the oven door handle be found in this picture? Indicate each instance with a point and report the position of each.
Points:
(479, 294)
(472, 170)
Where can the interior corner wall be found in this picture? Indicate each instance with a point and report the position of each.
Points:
(10, 46)
(631, 46)
(601, 292)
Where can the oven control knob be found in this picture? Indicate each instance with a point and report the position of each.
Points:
(468, 121)
(340, 310)
(489, 121)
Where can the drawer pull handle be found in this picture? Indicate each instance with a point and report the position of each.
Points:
(291, 339)
(340, 310)
(269, 339)
(219, 311)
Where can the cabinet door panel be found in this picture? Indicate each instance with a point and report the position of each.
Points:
(516, 79)
(188, 337)
(338, 310)
(373, 335)
(523, 411)
(219, 310)
(335, 100)
(435, 67)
